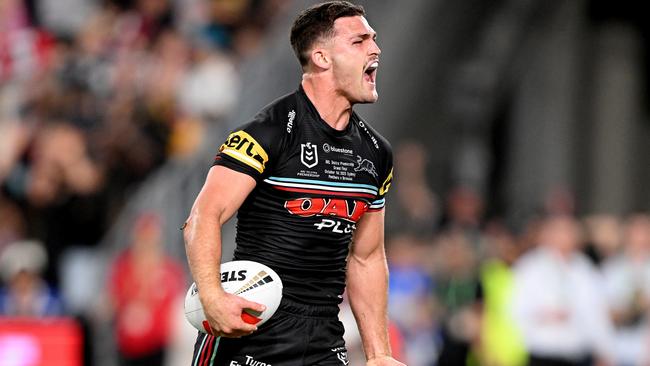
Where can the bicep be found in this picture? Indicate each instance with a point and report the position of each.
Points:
(369, 236)
(223, 192)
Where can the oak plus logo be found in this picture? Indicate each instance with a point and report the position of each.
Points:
(309, 155)
(350, 210)
(332, 209)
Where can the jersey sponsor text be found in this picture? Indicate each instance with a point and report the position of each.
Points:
(244, 148)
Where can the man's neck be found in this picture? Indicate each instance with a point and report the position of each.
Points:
(332, 107)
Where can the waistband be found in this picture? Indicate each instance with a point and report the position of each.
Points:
(301, 309)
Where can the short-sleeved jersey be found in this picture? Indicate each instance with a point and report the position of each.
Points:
(313, 184)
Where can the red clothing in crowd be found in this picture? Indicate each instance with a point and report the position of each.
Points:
(144, 299)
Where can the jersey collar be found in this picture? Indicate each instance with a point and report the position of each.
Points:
(321, 122)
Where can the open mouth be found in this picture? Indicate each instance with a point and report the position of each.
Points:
(370, 72)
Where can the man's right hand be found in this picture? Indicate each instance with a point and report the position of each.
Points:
(223, 311)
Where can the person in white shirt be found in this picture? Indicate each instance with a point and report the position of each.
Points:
(559, 302)
(627, 282)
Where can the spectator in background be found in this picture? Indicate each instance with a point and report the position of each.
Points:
(464, 210)
(61, 166)
(500, 342)
(12, 225)
(93, 100)
(56, 16)
(145, 284)
(603, 237)
(26, 294)
(13, 139)
(225, 18)
(211, 87)
(559, 302)
(24, 49)
(57, 185)
(463, 219)
(415, 208)
(411, 304)
(459, 293)
(627, 280)
(123, 78)
(560, 201)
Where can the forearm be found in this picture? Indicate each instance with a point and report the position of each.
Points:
(368, 294)
(221, 196)
(202, 234)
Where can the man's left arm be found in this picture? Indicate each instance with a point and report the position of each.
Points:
(367, 287)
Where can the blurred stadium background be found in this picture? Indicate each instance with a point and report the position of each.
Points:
(501, 113)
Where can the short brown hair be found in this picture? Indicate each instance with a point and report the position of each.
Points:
(318, 21)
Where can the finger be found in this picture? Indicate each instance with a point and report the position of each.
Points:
(246, 328)
(253, 306)
(240, 328)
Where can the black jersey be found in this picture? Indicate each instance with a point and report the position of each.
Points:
(313, 184)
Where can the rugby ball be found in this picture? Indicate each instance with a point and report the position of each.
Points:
(251, 280)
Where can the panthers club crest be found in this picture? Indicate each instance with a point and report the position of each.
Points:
(365, 165)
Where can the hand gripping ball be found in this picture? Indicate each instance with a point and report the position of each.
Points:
(250, 280)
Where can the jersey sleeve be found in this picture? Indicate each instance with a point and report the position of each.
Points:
(386, 179)
(249, 148)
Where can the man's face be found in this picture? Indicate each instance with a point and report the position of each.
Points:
(355, 58)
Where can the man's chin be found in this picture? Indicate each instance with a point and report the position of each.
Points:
(367, 96)
(369, 99)
(373, 98)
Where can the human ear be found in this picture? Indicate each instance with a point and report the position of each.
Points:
(321, 58)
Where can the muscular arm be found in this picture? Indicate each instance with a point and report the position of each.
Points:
(367, 287)
(221, 196)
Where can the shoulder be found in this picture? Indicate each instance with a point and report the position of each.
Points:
(368, 132)
(266, 129)
(261, 140)
(530, 261)
(381, 151)
(584, 264)
(614, 267)
(279, 115)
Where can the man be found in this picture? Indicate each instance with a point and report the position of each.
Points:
(558, 300)
(304, 175)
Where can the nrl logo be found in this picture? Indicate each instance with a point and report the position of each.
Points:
(366, 166)
(309, 155)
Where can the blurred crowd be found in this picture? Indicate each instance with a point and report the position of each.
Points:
(95, 95)
(468, 288)
(94, 99)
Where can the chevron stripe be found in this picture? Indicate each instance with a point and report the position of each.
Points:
(322, 185)
(321, 192)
